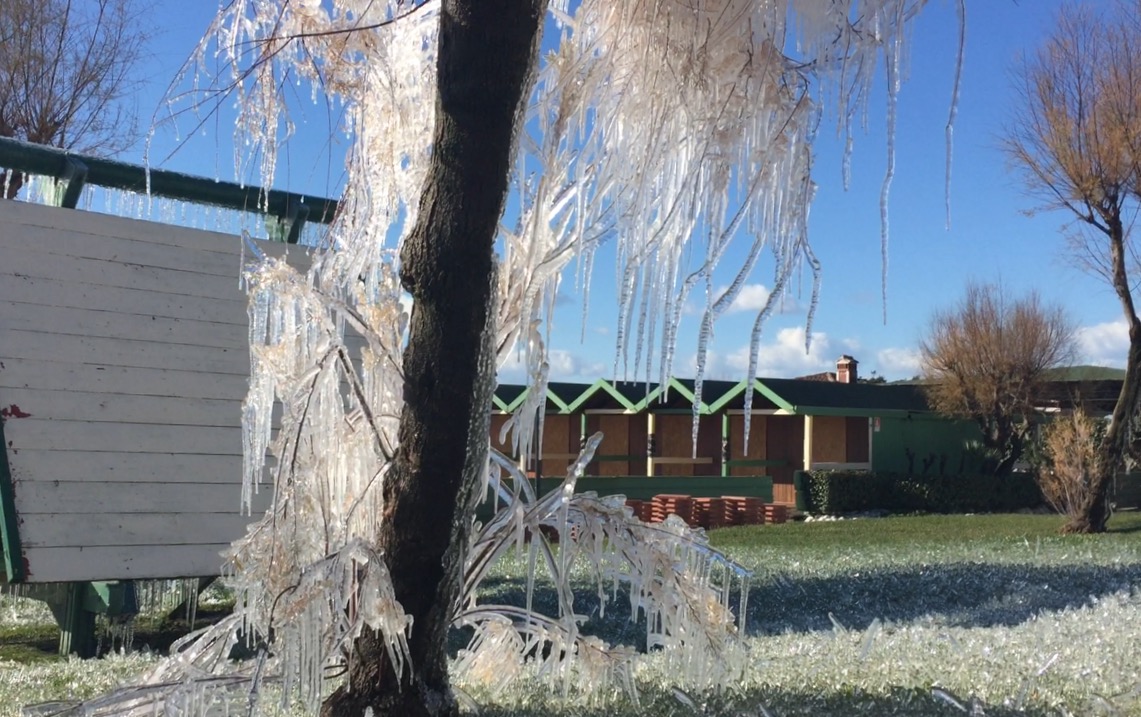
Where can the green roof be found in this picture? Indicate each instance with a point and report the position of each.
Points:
(862, 399)
(1084, 373)
(784, 394)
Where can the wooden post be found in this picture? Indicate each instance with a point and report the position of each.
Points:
(808, 443)
(651, 445)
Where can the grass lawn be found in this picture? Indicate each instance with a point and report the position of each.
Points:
(918, 615)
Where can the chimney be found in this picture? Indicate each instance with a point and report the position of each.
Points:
(846, 369)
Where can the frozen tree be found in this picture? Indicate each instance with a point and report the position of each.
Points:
(670, 128)
(1076, 137)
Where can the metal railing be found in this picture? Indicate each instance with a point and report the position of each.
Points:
(74, 171)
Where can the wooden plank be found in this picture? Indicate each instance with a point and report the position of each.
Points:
(158, 530)
(111, 273)
(123, 563)
(104, 351)
(51, 376)
(37, 434)
(39, 498)
(52, 242)
(95, 224)
(109, 324)
(109, 407)
(228, 308)
(122, 468)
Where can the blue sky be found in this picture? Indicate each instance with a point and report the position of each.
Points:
(991, 238)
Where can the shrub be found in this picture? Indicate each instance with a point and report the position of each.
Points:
(1070, 445)
(847, 491)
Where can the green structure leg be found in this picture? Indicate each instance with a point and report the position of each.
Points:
(75, 606)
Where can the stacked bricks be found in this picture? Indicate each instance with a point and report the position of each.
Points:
(776, 513)
(699, 512)
(642, 509)
(709, 513)
(721, 513)
(670, 503)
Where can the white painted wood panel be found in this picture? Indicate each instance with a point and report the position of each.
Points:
(82, 295)
(56, 376)
(135, 529)
(121, 468)
(50, 565)
(77, 499)
(130, 353)
(110, 273)
(119, 408)
(36, 434)
(134, 252)
(81, 223)
(111, 324)
(123, 349)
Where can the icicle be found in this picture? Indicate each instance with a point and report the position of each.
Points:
(961, 13)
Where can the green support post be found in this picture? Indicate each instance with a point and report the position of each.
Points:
(724, 445)
(76, 622)
(9, 525)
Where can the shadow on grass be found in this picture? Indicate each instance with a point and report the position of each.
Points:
(958, 595)
(778, 702)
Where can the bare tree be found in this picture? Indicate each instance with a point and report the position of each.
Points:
(985, 359)
(1076, 138)
(65, 70)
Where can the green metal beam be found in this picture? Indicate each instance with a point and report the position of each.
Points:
(293, 209)
(9, 525)
(607, 388)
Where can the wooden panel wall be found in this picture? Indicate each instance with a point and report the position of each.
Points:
(675, 445)
(785, 442)
(123, 344)
(560, 443)
(615, 443)
(757, 444)
(857, 435)
(829, 439)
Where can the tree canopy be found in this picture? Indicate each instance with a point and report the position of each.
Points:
(985, 359)
(67, 70)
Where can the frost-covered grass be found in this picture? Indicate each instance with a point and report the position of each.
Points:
(910, 616)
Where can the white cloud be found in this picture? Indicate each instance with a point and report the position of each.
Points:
(751, 298)
(783, 358)
(897, 363)
(564, 366)
(1104, 344)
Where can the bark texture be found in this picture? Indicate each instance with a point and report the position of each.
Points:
(487, 51)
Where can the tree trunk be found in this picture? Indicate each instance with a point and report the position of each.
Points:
(487, 51)
(1093, 512)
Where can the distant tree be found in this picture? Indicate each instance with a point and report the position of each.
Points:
(985, 358)
(1076, 137)
(65, 69)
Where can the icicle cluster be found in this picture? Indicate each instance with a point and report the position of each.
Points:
(669, 127)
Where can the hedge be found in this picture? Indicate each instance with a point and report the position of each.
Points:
(846, 491)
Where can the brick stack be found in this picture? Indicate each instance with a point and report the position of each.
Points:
(776, 513)
(670, 503)
(635, 506)
(722, 513)
(747, 511)
(699, 512)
